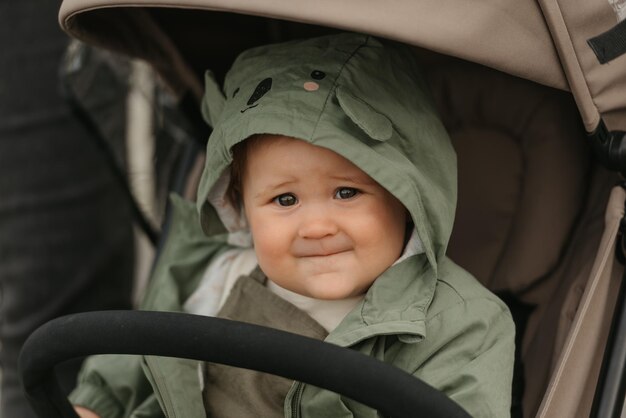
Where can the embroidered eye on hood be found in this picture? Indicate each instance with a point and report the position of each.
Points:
(263, 87)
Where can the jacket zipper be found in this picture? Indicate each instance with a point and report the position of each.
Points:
(295, 400)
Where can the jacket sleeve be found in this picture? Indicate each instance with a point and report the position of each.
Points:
(111, 386)
(469, 355)
(115, 385)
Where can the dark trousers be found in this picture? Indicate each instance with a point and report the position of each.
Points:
(65, 231)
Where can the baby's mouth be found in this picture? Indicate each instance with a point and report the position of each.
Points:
(321, 247)
(314, 255)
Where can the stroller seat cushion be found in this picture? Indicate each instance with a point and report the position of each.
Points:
(520, 195)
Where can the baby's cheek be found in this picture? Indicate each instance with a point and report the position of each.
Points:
(268, 248)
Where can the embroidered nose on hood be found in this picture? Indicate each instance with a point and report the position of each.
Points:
(353, 94)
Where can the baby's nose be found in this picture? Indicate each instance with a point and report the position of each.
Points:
(316, 225)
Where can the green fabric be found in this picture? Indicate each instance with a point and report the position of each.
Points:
(463, 346)
(424, 314)
(369, 89)
(120, 386)
(251, 301)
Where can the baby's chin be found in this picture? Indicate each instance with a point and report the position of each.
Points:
(330, 286)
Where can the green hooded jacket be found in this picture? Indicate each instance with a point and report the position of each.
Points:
(366, 101)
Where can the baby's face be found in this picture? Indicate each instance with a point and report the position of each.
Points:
(321, 226)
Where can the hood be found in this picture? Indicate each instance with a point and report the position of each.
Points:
(350, 93)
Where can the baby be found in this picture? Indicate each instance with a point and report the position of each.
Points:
(325, 207)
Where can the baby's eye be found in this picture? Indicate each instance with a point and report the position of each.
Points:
(346, 193)
(286, 199)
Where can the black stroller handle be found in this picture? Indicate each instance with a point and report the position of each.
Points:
(391, 391)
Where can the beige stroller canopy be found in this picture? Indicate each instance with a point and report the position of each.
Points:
(568, 45)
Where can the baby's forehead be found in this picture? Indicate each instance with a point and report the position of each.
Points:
(287, 156)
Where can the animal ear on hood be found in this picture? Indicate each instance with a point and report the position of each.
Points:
(376, 125)
(213, 100)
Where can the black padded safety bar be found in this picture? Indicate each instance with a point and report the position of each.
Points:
(391, 391)
(611, 44)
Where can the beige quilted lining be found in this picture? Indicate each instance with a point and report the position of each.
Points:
(531, 205)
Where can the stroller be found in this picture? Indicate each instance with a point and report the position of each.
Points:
(537, 118)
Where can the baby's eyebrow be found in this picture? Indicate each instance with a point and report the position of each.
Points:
(359, 179)
(273, 186)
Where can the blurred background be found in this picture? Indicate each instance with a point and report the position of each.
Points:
(80, 203)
